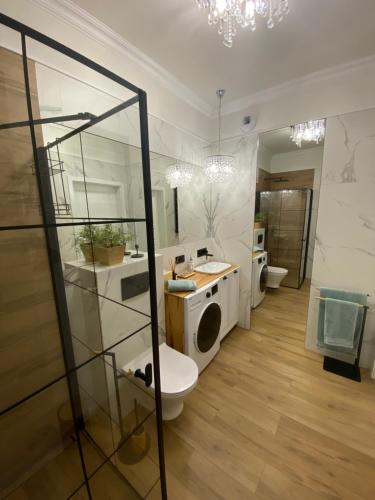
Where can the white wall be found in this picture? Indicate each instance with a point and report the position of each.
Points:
(84, 37)
(264, 158)
(345, 236)
(319, 96)
(310, 158)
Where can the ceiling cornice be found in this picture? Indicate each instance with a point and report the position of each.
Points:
(75, 16)
(311, 78)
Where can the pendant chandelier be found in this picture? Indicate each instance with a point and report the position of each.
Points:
(311, 131)
(229, 14)
(179, 175)
(219, 167)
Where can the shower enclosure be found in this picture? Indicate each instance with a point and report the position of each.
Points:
(74, 422)
(287, 215)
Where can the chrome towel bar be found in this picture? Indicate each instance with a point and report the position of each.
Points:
(324, 298)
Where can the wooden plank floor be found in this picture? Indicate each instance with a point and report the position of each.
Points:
(266, 422)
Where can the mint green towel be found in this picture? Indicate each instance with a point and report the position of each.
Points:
(181, 286)
(333, 293)
(340, 320)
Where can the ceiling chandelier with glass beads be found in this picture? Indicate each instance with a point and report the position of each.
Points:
(311, 131)
(179, 175)
(229, 14)
(219, 167)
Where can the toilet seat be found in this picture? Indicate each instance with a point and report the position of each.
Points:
(277, 270)
(178, 372)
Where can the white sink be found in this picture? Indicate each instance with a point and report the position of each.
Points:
(212, 267)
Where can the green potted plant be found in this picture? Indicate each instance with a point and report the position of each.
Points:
(111, 244)
(259, 220)
(86, 241)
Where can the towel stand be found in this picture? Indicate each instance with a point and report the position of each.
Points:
(343, 368)
(324, 298)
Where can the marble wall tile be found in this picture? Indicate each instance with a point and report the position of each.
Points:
(344, 253)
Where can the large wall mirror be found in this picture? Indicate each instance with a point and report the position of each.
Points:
(108, 155)
(287, 196)
(113, 172)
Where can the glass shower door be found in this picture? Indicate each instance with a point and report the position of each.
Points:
(75, 422)
(288, 214)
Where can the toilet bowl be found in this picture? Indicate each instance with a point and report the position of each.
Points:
(275, 276)
(178, 377)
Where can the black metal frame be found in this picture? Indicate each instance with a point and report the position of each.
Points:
(53, 119)
(50, 226)
(307, 240)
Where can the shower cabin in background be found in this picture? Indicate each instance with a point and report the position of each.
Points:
(74, 423)
(287, 216)
(287, 198)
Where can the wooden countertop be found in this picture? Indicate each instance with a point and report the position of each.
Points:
(201, 279)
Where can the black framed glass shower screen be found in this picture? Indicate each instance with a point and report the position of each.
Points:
(73, 421)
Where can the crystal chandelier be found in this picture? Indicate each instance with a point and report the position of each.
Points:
(228, 14)
(179, 175)
(311, 131)
(219, 167)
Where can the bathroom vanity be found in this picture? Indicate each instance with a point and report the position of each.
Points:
(206, 314)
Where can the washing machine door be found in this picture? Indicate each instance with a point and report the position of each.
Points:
(263, 278)
(208, 328)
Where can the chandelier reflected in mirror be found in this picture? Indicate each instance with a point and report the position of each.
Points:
(311, 131)
(228, 15)
(180, 174)
(219, 167)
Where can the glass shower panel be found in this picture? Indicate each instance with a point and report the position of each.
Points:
(109, 310)
(77, 320)
(287, 217)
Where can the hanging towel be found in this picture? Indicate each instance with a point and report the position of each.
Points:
(181, 286)
(332, 293)
(340, 321)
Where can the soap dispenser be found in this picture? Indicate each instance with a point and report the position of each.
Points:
(190, 266)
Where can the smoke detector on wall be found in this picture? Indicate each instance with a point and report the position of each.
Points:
(248, 124)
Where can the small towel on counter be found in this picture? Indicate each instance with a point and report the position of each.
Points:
(340, 321)
(181, 286)
(345, 295)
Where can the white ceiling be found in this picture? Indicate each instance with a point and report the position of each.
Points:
(279, 141)
(316, 35)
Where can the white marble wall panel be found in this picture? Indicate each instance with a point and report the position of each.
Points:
(344, 255)
(225, 213)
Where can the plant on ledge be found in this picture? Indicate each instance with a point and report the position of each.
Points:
(259, 220)
(86, 241)
(111, 244)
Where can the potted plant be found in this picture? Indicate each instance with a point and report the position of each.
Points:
(259, 220)
(86, 241)
(110, 244)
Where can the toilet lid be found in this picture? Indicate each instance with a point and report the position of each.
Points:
(178, 372)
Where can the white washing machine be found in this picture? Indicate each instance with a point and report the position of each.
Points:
(259, 278)
(203, 317)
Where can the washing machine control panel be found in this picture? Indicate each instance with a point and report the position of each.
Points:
(213, 291)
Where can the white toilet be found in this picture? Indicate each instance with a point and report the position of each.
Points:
(178, 377)
(275, 276)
